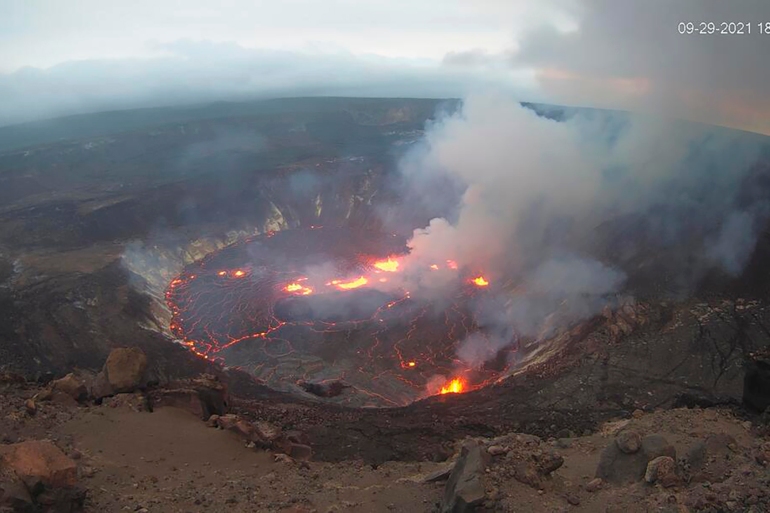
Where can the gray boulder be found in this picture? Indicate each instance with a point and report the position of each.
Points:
(465, 488)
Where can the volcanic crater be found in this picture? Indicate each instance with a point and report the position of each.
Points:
(95, 229)
(301, 310)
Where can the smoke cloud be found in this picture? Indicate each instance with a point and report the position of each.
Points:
(565, 210)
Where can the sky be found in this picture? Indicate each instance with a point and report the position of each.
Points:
(60, 58)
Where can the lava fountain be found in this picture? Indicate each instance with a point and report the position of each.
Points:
(303, 306)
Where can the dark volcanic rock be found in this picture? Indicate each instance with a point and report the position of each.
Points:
(618, 467)
(526, 472)
(101, 387)
(325, 389)
(14, 495)
(465, 488)
(756, 383)
(710, 459)
(628, 441)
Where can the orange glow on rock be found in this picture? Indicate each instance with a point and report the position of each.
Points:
(451, 264)
(239, 273)
(390, 265)
(434, 267)
(411, 364)
(456, 386)
(480, 281)
(222, 273)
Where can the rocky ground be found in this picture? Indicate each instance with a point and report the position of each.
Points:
(112, 442)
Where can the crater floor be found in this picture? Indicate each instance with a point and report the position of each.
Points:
(299, 310)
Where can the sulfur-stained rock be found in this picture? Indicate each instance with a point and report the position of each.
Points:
(125, 368)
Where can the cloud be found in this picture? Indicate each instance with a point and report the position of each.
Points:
(630, 55)
(195, 72)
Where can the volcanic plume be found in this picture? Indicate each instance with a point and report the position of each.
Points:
(566, 209)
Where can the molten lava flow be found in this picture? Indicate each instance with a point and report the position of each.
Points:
(411, 364)
(298, 288)
(347, 285)
(455, 386)
(480, 281)
(390, 265)
(239, 273)
(434, 267)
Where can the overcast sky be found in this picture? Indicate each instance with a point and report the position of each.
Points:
(59, 57)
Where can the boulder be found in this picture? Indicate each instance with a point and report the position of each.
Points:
(465, 488)
(548, 462)
(213, 421)
(618, 467)
(711, 459)
(203, 396)
(526, 472)
(300, 452)
(628, 441)
(39, 462)
(267, 431)
(125, 368)
(497, 450)
(594, 485)
(72, 386)
(662, 470)
(100, 387)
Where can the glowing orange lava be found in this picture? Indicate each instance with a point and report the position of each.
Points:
(239, 273)
(434, 267)
(347, 285)
(298, 288)
(455, 386)
(411, 364)
(388, 265)
(480, 281)
(222, 273)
